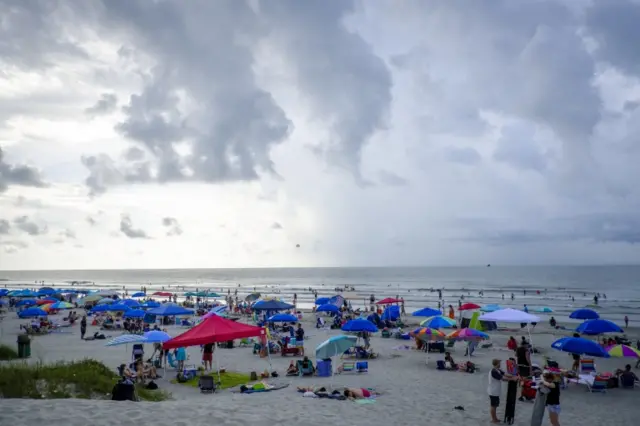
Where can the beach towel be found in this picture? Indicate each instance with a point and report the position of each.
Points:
(265, 389)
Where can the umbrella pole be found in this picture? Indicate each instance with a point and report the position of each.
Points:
(530, 339)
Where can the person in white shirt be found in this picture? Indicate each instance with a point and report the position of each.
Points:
(496, 377)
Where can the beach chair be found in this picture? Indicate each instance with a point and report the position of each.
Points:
(206, 384)
(304, 371)
(351, 366)
(137, 352)
(587, 366)
(599, 384)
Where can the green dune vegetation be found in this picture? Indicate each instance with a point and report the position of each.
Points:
(88, 379)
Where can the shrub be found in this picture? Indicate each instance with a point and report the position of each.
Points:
(87, 379)
(7, 353)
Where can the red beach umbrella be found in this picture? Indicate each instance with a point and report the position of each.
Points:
(468, 307)
(388, 301)
(162, 294)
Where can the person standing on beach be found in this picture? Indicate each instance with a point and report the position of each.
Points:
(83, 326)
(626, 321)
(496, 377)
(553, 398)
(207, 355)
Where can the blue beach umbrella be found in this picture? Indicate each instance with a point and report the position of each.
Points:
(598, 326)
(584, 314)
(46, 291)
(156, 336)
(138, 294)
(283, 318)
(322, 300)
(134, 313)
(336, 345)
(328, 308)
(150, 304)
(4, 292)
(32, 312)
(26, 302)
(426, 312)
(544, 310)
(271, 305)
(126, 339)
(580, 346)
(358, 325)
(438, 322)
(26, 293)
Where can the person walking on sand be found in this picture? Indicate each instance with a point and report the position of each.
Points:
(626, 321)
(83, 326)
(553, 398)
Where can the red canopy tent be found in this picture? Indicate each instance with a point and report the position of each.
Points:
(162, 294)
(212, 330)
(388, 301)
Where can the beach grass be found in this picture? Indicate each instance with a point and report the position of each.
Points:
(228, 379)
(7, 353)
(87, 379)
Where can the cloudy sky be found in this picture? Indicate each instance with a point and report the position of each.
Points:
(225, 133)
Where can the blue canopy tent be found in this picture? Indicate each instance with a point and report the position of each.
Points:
(138, 294)
(26, 302)
(116, 307)
(271, 305)
(169, 310)
(134, 313)
(282, 318)
(328, 308)
(131, 303)
(150, 304)
(322, 300)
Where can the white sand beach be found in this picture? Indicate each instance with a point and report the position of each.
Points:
(413, 392)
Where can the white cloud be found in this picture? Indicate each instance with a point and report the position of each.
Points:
(154, 134)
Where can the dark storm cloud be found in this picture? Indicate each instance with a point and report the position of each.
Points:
(173, 226)
(25, 224)
(127, 229)
(105, 105)
(5, 226)
(20, 175)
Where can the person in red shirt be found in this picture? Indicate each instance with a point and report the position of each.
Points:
(512, 344)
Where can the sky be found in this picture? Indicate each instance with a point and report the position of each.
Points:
(233, 133)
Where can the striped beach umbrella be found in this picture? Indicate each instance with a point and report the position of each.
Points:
(427, 333)
(439, 321)
(467, 334)
(623, 351)
(126, 339)
(61, 305)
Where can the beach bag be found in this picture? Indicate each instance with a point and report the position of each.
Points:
(528, 392)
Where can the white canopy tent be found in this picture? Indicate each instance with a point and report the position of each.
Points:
(511, 316)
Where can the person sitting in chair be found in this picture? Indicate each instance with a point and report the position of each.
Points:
(627, 377)
(292, 370)
(449, 363)
(307, 364)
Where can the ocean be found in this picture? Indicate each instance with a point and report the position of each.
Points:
(545, 286)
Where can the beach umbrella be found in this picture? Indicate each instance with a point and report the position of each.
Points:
(169, 310)
(426, 333)
(46, 291)
(334, 346)
(439, 321)
(252, 297)
(116, 307)
(105, 301)
(584, 314)
(328, 308)
(107, 293)
(92, 298)
(26, 293)
(623, 351)
(190, 294)
(271, 305)
(598, 326)
(162, 294)
(426, 312)
(580, 346)
(150, 304)
(131, 303)
(207, 294)
(388, 301)
(61, 305)
(156, 336)
(322, 300)
(467, 334)
(134, 313)
(46, 301)
(468, 307)
(26, 302)
(282, 318)
(544, 310)
(138, 294)
(218, 310)
(4, 292)
(32, 312)
(358, 325)
(491, 308)
(126, 339)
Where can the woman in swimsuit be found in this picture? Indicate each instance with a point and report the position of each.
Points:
(359, 393)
